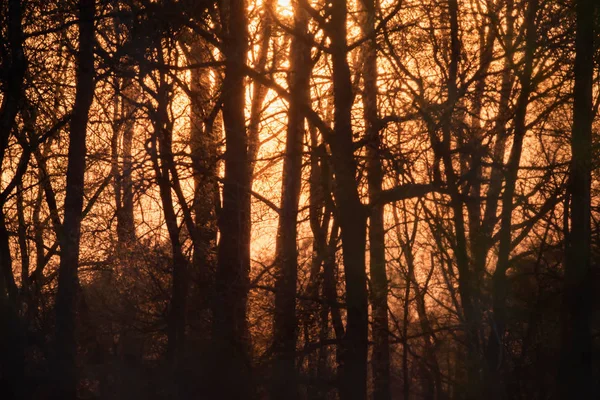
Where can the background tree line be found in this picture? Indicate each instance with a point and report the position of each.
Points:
(299, 199)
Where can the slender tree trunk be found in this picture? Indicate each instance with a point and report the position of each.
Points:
(430, 358)
(162, 159)
(496, 171)
(122, 164)
(23, 241)
(467, 288)
(232, 373)
(477, 238)
(205, 134)
(495, 345)
(259, 92)
(324, 254)
(352, 215)
(12, 358)
(285, 385)
(379, 284)
(14, 65)
(13, 74)
(575, 373)
(66, 299)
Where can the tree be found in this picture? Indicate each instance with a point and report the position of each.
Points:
(352, 214)
(12, 73)
(68, 286)
(286, 255)
(576, 349)
(377, 262)
(230, 326)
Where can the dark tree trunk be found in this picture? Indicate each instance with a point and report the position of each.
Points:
(379, 283)
(259, 91)
(23, 241)
(324, 256)
(575, 372)
(232, 371)
(467, 288)
(66, 346)
(495, 344)
(496, 172)
(205, 133)
(285, 385)
(12, 367)
(122, 164)
(162, 159)
(351, 214)
(319, 225)
(13, 67)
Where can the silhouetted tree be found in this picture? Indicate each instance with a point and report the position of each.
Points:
(575, 373)
(66, 373)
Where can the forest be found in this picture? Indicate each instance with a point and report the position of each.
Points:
(299, 199)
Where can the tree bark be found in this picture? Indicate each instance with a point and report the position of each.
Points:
(232, 373)
(14, 66)
(495, 345)
(66, 346)
(285, 385)
(380, 363)
(352, 215)
(205, 133)
(162, 160)
(122, 164)
(467, 288)
(259, 91)
(575, 372)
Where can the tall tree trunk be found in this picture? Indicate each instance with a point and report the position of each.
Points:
(430, 357)
(352, 215)
(379, 285)
(495, 345)
(12, 72)
(324, 255)
(477, 238)
(499, 148)
(230, 325)
(122, 164)
(259, 91)
(12, 358)
(23, 241)
(205, 133)
(66, 346)
(467, 288)
(162, 160)
(285, 385)
(576, 380)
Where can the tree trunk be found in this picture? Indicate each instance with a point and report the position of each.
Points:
(162, 160)
(495, 345)
(232, 372)
(122, 169)
(467, 288)
(285, 385)
(259, 91)
(379, 286)
(66, 347)
(575, 372)
(14, 66)
(205, 133)
(23, 241)
(352, 215)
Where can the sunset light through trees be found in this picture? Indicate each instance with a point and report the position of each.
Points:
(299, 199)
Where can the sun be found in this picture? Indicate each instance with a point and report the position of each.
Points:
(285, 8)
